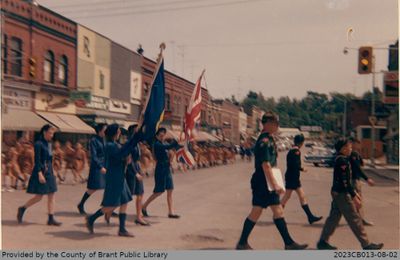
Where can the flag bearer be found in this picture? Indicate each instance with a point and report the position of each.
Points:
(162, 176)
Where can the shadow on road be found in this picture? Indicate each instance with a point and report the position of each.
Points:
(14, 223)
(69, 214)
(99, 225)
(76, 235)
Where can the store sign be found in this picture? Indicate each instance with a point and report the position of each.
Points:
(100, 103)
(18, 99)
(119, 106)
(80, 95)
(136, 87)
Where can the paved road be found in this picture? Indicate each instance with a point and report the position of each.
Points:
(213, 203)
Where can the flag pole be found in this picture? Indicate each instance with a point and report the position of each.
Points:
(159, 61)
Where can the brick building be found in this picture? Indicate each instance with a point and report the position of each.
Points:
(38, 69)
(177, 95)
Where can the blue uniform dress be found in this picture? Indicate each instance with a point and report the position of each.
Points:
(96, 180)
(43, 163)
(264, 151)
(136, 187)
(162, 176)
(117, 192)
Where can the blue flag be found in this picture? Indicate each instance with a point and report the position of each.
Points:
(154, 112)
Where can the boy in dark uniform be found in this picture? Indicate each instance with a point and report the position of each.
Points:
(162, 175)
(356, 163)
(265, 153)
(97, 170)
(292, 178)
(345, 201)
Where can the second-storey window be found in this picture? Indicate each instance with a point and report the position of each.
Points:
(16, 56)
(48, 67)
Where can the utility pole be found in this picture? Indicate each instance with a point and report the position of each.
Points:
(373, 119)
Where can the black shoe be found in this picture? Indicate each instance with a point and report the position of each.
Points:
(295, 246)
(89, 225)
(81, 209)
(314, 219)
(144, 212)
(373, 246)
(367, 223)
(54, 223)
(243, 247)
(114, 215)
(125, 234)
(137, 222)
(20, 214)
(173, 216)
(323, 245)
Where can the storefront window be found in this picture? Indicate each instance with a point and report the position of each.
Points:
(63, 71)
(48, 67)
(16, 56)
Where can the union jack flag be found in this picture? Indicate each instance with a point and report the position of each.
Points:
(191, 118)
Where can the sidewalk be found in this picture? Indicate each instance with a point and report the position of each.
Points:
(390, 172)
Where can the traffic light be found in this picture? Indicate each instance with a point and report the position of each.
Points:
(365, 60)
(32, 67)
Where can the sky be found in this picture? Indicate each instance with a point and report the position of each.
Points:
(276, 47)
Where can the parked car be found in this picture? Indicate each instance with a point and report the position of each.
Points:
(320, 156)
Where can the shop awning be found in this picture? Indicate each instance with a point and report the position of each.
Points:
(202, 136)
(67, 123)
(21, 120)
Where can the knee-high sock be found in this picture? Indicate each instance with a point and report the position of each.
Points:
(84, 199)
(122, 219)
(280, 224)
(307, 210)
(96, 215)
(247, 228)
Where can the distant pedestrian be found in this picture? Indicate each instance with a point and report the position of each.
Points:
(42, 181)
(97, 171)
(292, 178)
(345, 201)
(266, 156)
(58, 158)
(69, 158)
(80, 161)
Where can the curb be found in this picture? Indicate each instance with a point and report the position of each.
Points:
(377, 173)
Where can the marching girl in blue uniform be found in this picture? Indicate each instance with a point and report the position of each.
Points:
(97, 170)
(42, 181)
(162, 176)
(292, 178)
(116, 193)
(134, 178)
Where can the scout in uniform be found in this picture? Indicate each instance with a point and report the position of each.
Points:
(96, 180)
(292, 178)
(42, 181)
(116, 192)
(265, 158)
(162, 175)
(134, 178)
(58, 156)
(356, 163)
(345, 201)
(69, 156)
(80, 160)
